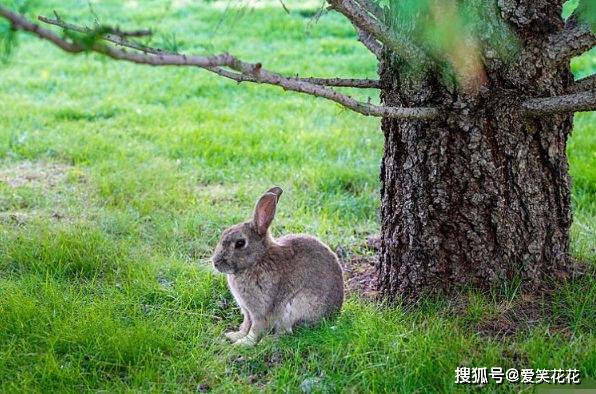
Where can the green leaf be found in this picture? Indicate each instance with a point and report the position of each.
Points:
(8, 41)
(8, 35)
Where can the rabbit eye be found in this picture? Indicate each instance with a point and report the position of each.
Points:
(240, 243)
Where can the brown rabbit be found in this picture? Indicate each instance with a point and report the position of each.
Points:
(279, 283)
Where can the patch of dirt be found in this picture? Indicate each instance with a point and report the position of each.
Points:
(35, 174)
(532, 307)
(216, 193)
(522, 313)
(360, 271)
(360, 275)
(49, 178)
(374, 242)
(16, 218)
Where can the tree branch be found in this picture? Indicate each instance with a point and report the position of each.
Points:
(363, 21)
(241, 71)
(113, 37)
(134, 33)
(582, 101)
(117, 30)
(19, 22)
(369, 41)
(118, 40)
(344, 82)
(573, 40)
(372, 8)
(587, 83)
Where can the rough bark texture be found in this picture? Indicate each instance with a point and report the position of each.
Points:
(481, 195)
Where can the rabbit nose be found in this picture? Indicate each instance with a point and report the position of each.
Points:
(219, 262)
(215, 258)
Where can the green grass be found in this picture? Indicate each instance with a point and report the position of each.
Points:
(104, 278)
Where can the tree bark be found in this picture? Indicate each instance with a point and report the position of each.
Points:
(481, 195)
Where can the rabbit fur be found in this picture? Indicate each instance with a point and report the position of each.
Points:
(277, 283)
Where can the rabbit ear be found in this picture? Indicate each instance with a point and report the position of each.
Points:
(276, 190)
(265, 212)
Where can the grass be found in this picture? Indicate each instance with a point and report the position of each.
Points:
(104, 278)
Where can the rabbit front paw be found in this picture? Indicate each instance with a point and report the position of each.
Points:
(234, 336)
(246, 341)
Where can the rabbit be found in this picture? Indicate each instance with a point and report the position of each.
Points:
(277, 283)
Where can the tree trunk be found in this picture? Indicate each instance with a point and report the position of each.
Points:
(482, 195)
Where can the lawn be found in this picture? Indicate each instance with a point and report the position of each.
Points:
(116, 180)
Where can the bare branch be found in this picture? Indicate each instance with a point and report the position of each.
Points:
(369, 41)
(372, 8)
(134, 33)
(112, 37)
(284, 7)
(367, 109)
(362, 20)
(582, 101)
(587, 83)
(338, 82)
(115, 30)
(344, 82)
(573, 40)
(19, 22)
(242, 71)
